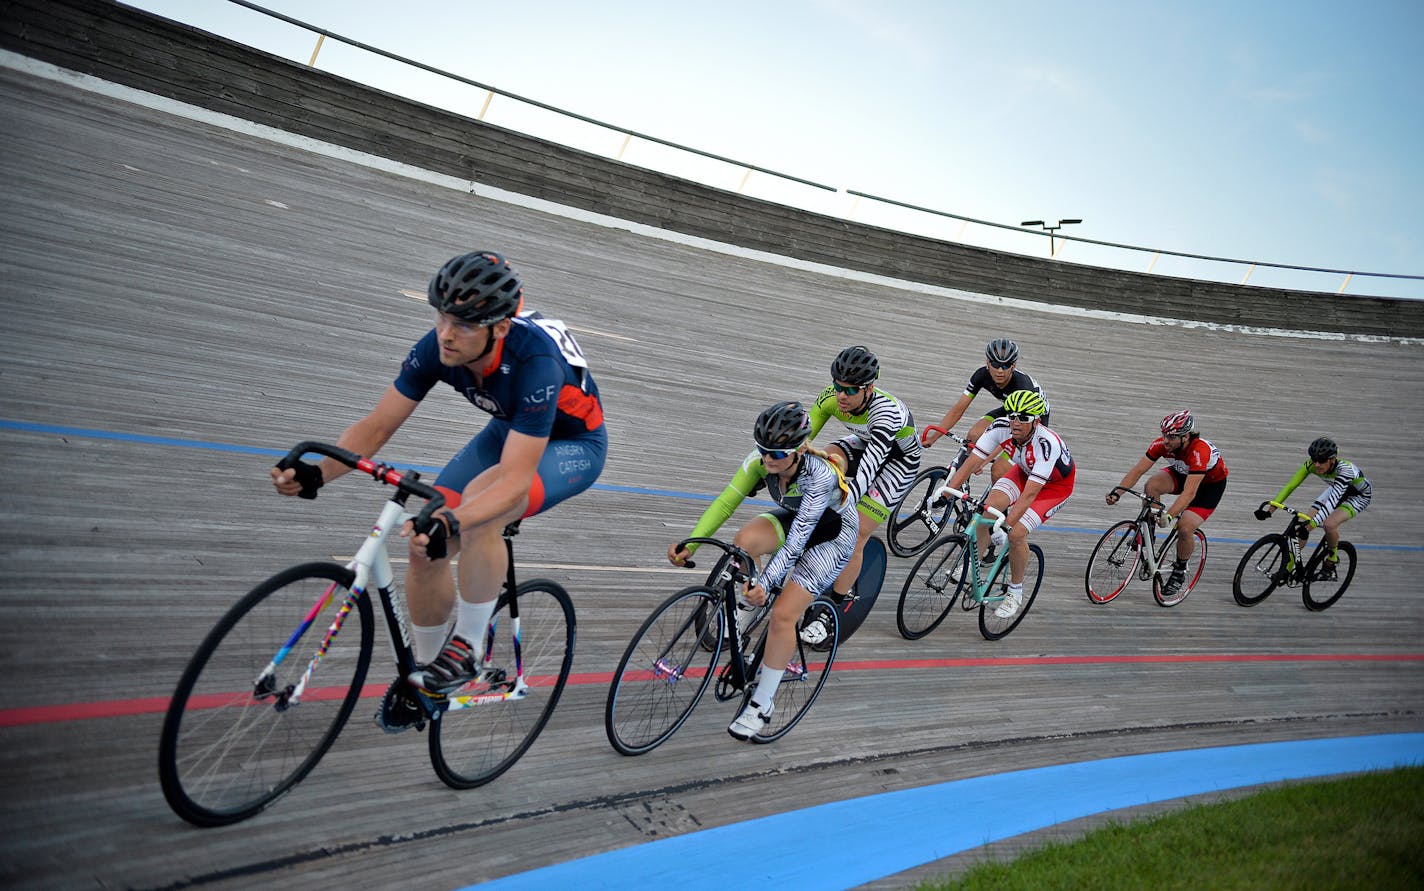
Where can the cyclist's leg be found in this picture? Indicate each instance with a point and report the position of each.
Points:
(873, 513)
(1006, 491)
(1338, 517)
(1203, 504)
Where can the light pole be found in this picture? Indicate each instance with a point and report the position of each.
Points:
(1050, 230)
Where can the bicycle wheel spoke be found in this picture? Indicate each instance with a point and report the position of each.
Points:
(228, 749)
(1112, 563)
(930, 588)
(1261, 570)
(805, 675)
(993, 626)
(664, 671)
(1192, 574)
(494, 720)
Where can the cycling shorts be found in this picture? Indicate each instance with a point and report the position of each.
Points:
(888, 487)
(1045, 504)
(1208, 494)
(567, 467)
(827, 551)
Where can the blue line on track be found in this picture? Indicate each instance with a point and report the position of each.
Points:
(6, 424)
(870, 838)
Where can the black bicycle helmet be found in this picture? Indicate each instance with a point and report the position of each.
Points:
(1323, 449)
(783, 426)
(1002, 351)
(478, 287)
(855, 365)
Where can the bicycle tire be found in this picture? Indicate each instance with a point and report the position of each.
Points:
(228, 748)
(1195, 564)
(806, 674)
(488, 724)
(1322, 587)
(908, 532)
(656, 684)
(1113, 561)
(930, 589)
(1262, 569)
(991, 625)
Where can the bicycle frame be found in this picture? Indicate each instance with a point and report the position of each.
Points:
(737, 673)
(1153, 553)
(979, 577)
(1295, 571)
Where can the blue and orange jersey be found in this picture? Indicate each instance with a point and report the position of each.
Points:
(540, 384)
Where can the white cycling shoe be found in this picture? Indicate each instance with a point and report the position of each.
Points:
(751, 721)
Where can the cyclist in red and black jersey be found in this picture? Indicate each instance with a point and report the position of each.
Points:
(1195, 473)
(1000, 376)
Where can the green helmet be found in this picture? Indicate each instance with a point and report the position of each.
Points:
(1026, 402)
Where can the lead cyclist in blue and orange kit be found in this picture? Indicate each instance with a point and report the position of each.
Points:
(545, 443)
(1345, 498)
(880, 456)
(810, 535)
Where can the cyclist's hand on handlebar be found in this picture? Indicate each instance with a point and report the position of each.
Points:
(678, 556)
(1264, 511)
(436, 534)
(1165, 520)
(303, 480)
(755, 595)
(928, 436)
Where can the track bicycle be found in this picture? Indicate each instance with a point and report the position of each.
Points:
(1278, 559)
(950, 567)
(666, 668)
(918, 518)
(270, 687)
(1129, 548)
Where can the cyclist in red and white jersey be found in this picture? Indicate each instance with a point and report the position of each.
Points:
(1032, 490)
(1195, 473)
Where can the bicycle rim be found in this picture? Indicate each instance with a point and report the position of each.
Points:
(664, 672)
(993, 626)
(806, 674)
(231, 746)
(1324, 583)
(1113, 562)
(491, 722)
(1195, 564)
(1262, 569)
(914, 523)
(930, 589)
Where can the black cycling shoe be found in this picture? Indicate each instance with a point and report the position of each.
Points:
(400, 708)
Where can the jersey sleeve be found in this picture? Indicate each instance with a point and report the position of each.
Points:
(822, 410)
(882, 427)
(1293, 483)
(977, 381)
(744, 482)
(1157, 448)
(421, 369)
(992, 439)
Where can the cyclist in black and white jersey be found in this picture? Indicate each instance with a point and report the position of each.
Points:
(1000, 376)
(880, 455)
(1344, 499)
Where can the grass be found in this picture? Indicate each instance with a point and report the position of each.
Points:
(1362, 832)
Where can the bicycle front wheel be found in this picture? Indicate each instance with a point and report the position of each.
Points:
(1325, 582)
(1262, 569)
(1193, 573)
(491, 722)
(992, 625)
(805, 675)
(664, 671)
(1113, 561)
(915, 521)
(237, 735)
(930, 588)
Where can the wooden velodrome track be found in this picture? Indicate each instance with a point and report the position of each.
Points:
(177, 297)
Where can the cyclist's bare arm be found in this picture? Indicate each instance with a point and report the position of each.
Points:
(365, 438)
(951, 417)
(508, 486)
(1143, 465)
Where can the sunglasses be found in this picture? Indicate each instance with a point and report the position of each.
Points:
(1001, 365)
(849, 391)
(776, 454)
(1020, 416)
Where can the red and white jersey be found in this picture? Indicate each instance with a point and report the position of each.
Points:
(1044, 456)
(1200, 456)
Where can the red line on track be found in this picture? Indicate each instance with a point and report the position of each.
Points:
(120, 708)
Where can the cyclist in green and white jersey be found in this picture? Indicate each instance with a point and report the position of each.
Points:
(1348, 494)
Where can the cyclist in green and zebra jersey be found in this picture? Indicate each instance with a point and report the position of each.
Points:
(880, 456)
(1348, 494)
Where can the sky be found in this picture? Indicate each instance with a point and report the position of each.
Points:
(1259, 130)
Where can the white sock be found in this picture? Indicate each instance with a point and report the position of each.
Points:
(472, 621)
(1016, 588)
(427, 641)
(766, 687)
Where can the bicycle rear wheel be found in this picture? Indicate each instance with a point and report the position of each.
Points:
(1195, 564)
(1113, 561)
(492, 721)
(1326, 582)
(914, 521)
(1262, 569)
(233, 740)
(930, 588)
(994, 626)
(806, 674)
(664, 671)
